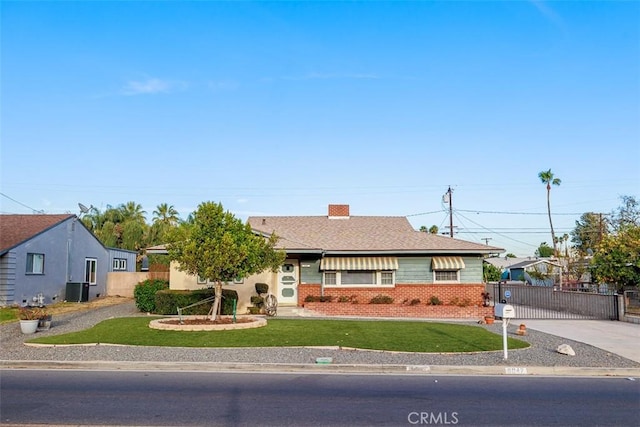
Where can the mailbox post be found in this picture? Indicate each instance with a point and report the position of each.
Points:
(506, 312)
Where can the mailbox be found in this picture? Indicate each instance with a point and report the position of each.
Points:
(505, 311)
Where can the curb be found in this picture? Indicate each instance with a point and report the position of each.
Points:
(325, 368)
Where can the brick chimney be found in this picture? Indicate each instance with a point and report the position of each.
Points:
(338, 211)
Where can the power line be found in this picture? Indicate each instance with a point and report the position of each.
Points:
(20, 203)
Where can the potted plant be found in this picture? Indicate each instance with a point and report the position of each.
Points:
(489, 319)
(30, 318)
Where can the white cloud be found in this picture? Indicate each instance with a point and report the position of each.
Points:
(151, 86)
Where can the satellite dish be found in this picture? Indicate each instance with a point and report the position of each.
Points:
(83, 208)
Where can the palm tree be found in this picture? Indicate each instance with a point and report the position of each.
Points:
(132, 211)
(165, 214)
(547, 178)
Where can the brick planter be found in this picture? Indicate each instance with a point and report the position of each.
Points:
(399, 310)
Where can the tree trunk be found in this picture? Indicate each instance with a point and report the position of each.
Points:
(553, 234)
(217, 302)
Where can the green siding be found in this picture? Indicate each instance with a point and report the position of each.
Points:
(410, 270)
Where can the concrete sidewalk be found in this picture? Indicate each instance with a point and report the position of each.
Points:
(619, 338)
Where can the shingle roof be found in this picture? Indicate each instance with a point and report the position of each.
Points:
(15, 229)
(359, 234)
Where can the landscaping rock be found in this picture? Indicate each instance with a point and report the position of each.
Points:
(565, 349)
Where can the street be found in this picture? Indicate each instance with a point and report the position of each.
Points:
(162, 398)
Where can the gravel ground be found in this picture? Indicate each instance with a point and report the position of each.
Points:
(541, 353)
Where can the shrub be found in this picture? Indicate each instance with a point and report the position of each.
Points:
(415, 301)
(145, 294)
(381, 299)
(262, 288)
(343, 298)
(257, 301)
(316, 298)
(168, 301)
(434, 300)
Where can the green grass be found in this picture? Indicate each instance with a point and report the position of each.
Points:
(8, 314)
(376, 335)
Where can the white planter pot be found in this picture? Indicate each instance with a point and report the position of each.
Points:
(29, 326)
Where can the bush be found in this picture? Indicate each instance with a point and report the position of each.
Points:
(262, 288)
(168, 301)
(415, 301)
(257, 301)
(314, 298)
(145, 294)
(434, 300)
(343, 298)
(381, 299)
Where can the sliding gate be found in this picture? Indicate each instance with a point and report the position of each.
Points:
(544, 302)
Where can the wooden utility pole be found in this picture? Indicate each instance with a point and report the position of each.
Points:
(449, 199)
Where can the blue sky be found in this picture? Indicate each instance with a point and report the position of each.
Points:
(281, 108)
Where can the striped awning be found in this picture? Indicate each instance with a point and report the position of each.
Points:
(359, 263)
(447, 263)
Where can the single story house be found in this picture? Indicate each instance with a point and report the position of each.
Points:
(358, 258)
(52, 258)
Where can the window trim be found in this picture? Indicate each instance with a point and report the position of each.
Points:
(119, 264)
(32, 256)
(456, 280)
(91, 274)
(378, 274)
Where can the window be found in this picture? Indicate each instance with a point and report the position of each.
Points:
(90, 271)
(446, 276)
(358, 278)
(35, 263)
(119, 264)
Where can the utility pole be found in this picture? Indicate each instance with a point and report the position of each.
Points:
(486, 240)
(447, 198)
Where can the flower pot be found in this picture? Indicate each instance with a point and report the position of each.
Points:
(489, 320)
(44, 323)
(29, 326)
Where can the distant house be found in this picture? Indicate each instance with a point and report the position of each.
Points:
(358, 258)
(531, 271)
(50, 258)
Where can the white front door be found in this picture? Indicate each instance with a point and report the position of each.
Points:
(288, 282)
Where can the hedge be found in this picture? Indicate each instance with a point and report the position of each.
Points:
(145, 294)
(167, 301)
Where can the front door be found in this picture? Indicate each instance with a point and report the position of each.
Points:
(288, 282)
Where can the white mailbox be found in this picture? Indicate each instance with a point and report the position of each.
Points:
(505, 311)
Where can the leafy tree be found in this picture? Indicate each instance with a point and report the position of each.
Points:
(510, 255)
(166, 214)
(617, 258)
(589, 231)
(431, 230)
(219, 247)
(490, 272)
(544, 250)
(628, 214)
(547, 178)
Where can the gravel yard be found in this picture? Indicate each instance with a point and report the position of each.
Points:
(541, 353)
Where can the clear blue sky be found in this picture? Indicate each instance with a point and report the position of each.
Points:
(281, 108)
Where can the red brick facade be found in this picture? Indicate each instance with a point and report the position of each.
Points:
(459, 301)
(339, 210)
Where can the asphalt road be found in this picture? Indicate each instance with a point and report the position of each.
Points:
(153, 398)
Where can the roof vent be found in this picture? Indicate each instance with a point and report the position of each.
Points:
(338, 211)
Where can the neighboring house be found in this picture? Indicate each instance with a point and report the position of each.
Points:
(45, 257)
(531, 271)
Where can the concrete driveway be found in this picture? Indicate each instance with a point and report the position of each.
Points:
(620, 338)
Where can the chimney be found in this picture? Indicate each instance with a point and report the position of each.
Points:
(338, 211)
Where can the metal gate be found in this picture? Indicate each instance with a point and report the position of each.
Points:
(546, 302)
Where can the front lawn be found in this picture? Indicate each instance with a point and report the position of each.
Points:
(407, 336)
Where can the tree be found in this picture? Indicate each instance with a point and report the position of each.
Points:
(589, 231)
(547, 178)
(544, 250)
(490, 272)
(219, 247)
(431, 230)
(165, 214)
(617, 258)
(627, 214)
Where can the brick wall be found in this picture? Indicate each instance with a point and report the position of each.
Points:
(402, 295)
